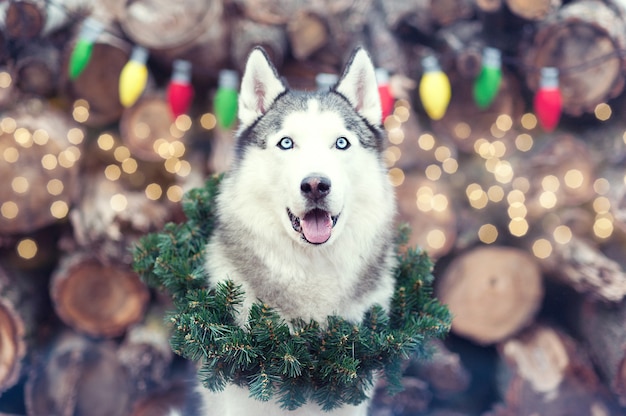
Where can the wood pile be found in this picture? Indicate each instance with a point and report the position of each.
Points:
(528, 227)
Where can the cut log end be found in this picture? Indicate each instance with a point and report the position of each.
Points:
(492, 292)
(161, 402)
(540, 357)
(24, 19)
(12, 347)
(489, 6)
(550, 374)
(79, 377)
(586, 29)
(100, 300)
(307, 34)
(167, 25)
(533, 10)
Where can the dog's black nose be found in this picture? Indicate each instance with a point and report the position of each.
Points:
(315, 187)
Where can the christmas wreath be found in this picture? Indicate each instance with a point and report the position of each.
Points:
(331, 363)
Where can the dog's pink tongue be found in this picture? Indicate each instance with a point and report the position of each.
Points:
(317, 226)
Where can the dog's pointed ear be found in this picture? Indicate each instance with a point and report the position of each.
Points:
(260, 86)
(358, 85)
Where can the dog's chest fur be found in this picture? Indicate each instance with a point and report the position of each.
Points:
(345, 279)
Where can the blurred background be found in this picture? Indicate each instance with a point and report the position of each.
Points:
(507, 148)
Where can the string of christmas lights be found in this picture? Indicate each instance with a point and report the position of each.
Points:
(485, 88)
(434, 89)
(547, 103)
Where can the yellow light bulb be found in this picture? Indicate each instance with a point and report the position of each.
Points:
(134, 77)
(434, 89)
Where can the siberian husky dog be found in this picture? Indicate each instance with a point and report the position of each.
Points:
(306, 213)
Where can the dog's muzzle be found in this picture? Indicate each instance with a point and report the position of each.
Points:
(315, 226)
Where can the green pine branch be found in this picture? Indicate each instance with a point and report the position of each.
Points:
(331, 363)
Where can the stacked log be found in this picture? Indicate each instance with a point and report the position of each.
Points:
(37, 68)
(556, 44)
(196, 31)
(12, 337)
(97, 85)
(601, 325)
(98, 299)
(41, 149)
(546, 373)
(493, 293)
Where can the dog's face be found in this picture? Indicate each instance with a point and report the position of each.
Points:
(303, 155)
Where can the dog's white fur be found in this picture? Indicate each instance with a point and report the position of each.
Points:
(303, 280)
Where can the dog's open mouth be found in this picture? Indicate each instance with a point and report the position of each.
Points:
(316, 225)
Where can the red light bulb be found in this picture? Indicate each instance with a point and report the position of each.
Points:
(548, 101)
(387, 100)
(179, 91)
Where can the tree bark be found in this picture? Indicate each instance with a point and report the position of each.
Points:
(384, 46)
(249, 34)
(78, 377)
(414, 399)
(492, 292)
(550, 374)
(160, 402)
(442, 370)
(146, 352)
(602, 327)
(105, 230)
(582, 266)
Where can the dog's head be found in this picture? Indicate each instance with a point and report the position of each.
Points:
(309, 162)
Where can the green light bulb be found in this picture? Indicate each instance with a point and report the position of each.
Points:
(487, 83)
(81, 54)
(225, 100)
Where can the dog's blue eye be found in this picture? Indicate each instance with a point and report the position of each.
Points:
(285, 143)
(342, 143)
